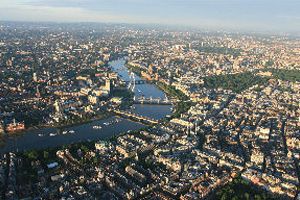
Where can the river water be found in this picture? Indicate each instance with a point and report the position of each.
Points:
(32, 139)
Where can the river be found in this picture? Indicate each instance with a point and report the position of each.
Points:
(41, 139)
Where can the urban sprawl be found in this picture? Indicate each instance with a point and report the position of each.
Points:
(235, 116)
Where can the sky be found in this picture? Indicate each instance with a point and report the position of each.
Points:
(252, 15)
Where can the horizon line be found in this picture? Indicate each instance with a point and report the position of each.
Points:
(163, 25)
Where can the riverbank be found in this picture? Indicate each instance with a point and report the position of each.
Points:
(137, 70)
(183, 104)
(48, 155)
(125, 94)
(61, 125)
(39, 138)
(81, 121)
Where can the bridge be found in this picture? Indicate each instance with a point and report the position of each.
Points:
(150, 100)
(134, 116)
(138, 82)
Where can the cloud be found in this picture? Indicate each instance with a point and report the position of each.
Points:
(238, 14)
(29, 11)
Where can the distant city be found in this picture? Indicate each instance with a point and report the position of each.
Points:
(124, 111)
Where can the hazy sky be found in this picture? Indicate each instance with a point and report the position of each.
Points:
(261, 15)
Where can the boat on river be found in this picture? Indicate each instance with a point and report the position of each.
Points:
(52, 134)
(106, 123)
(97, 127)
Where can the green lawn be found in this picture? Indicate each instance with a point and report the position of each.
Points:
(235, 82)
(285, 74)
(241, 189)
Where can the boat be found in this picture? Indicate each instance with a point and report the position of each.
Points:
(106, 123)
(97, 127)
(114, 122)
(52, 134)
(41, 135)
(118, 120)
(132, 107)
(64, 132)
(71, 131)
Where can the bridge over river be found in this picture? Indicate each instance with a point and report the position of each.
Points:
(150, 100)
(139, 82)
(134, 116)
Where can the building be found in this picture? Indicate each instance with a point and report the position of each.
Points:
(107, 86)
(93, 99)
(257, 157)
(2, 131)
(15, 126)
(58, 115)
(34, 77)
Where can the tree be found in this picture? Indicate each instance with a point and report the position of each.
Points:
(257, 197)
(33, 155)
(84, 148)
(247, 196)
(46, 154)
(224, 196)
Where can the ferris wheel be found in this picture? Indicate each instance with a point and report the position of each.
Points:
(131, 85)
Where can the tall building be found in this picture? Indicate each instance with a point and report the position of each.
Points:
(37, 94)
(58, 115)
(34, 77)
(1, 128)
(107, 86)
(57, 106)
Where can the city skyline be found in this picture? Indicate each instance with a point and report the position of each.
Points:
(259, 16)
(126, 111)
(150, 99)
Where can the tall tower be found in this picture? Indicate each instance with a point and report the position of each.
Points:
(37, 94)
(1, 127)
(57, 106)
(107, 86)
(58, 115)
(34, 77)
